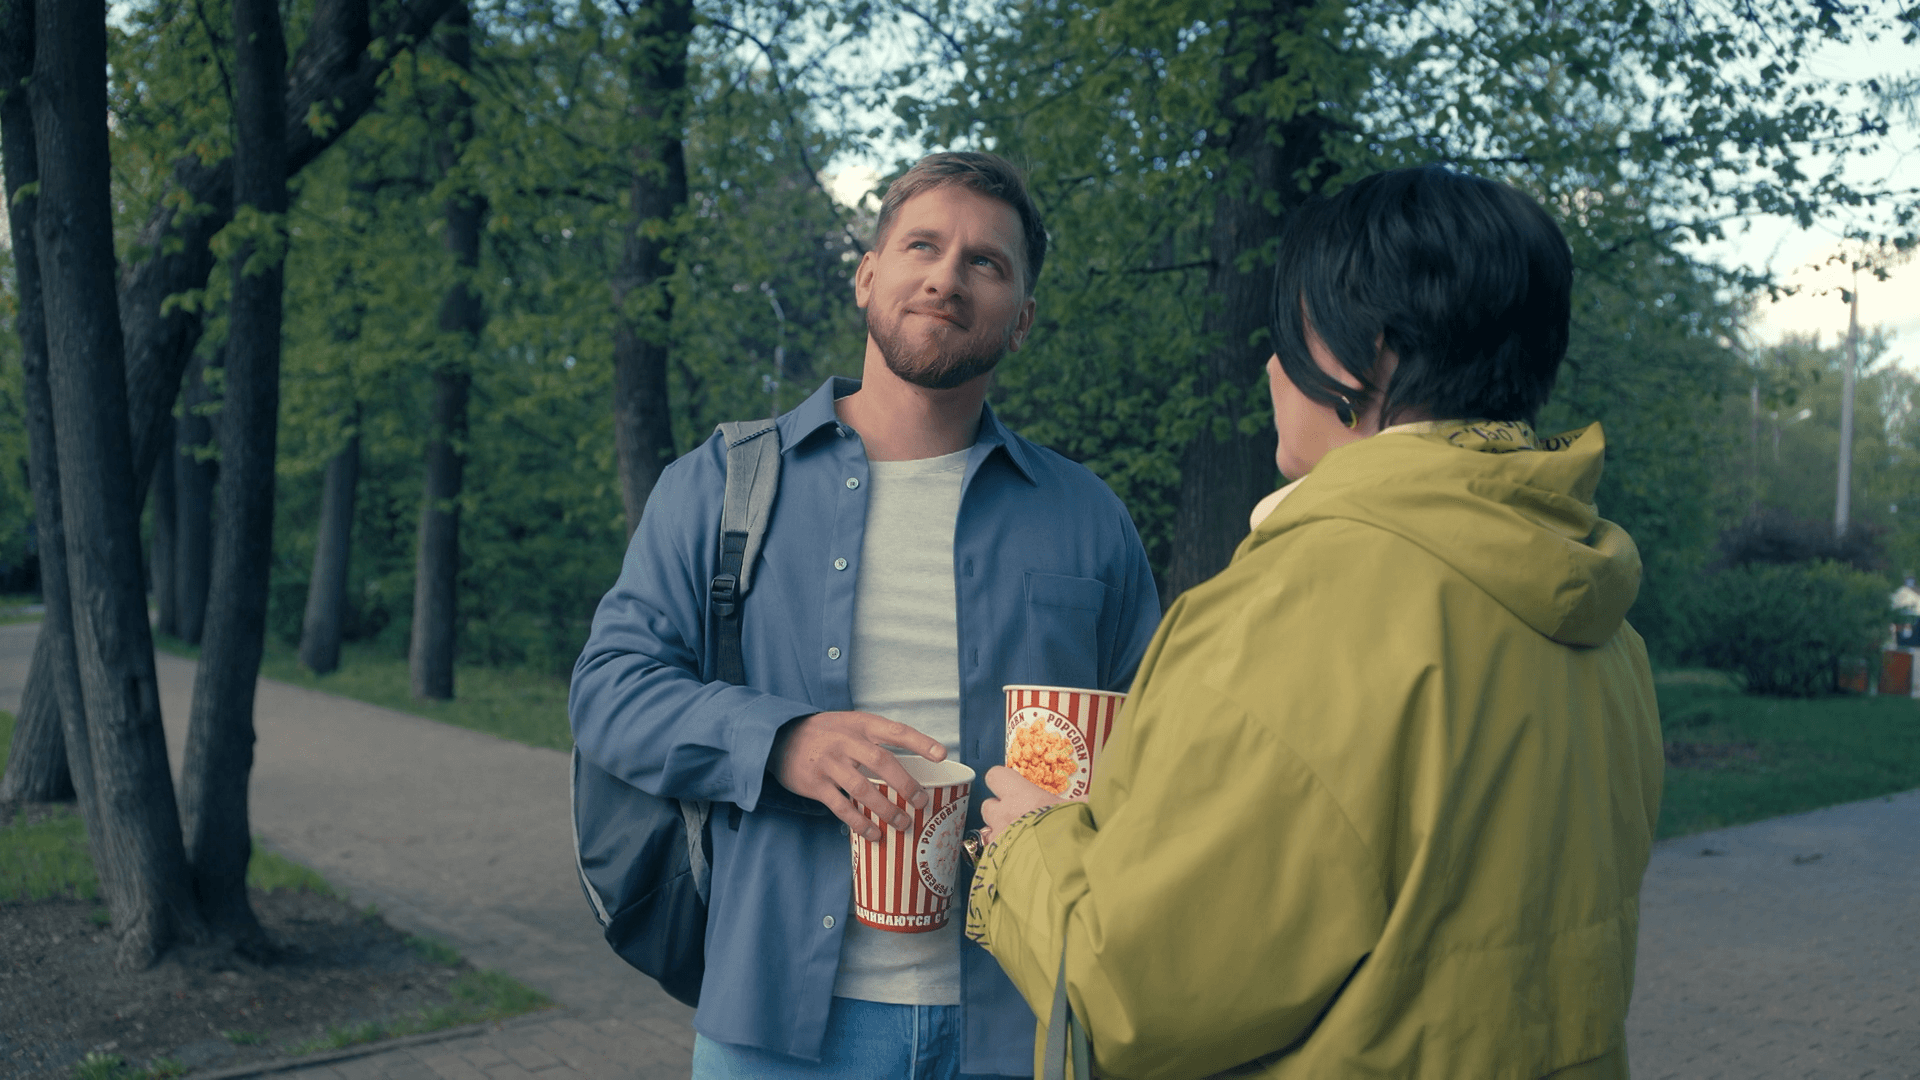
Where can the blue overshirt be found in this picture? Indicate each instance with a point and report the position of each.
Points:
(1051, 586)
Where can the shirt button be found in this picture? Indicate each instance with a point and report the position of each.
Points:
(839, 564)
(844, 831)
(827, 922)
(833, 653)
(852, 482)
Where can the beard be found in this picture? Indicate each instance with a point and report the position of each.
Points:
(944, 356)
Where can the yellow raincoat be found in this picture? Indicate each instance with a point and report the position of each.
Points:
(1382, 796)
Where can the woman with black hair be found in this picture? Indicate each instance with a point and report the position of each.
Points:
(1384, 789)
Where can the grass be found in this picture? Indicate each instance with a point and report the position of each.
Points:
(13, 608)
(478, 997)
(99, 1066)
(244, 1038)
(433, 950)
(49, 860)
(521, 704)
(271, 871)
(1762, 757)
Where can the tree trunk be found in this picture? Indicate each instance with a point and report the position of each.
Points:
(1224, 472)
(37, 769)
(219, 757)
(193, 507)
(166, 518)
(327, 591)
(437, 567)
(337, 73)
(657, 83)
(134, 828)
(37, 760)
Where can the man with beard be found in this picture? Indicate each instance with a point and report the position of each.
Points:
(919, 557)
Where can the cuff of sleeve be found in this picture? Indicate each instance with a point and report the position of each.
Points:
(985, 891)
(752, 731)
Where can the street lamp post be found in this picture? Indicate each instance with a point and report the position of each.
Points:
(1843, 497)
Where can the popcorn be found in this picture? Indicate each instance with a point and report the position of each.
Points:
(1043, 755)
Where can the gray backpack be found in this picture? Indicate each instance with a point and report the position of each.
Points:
(642, 858)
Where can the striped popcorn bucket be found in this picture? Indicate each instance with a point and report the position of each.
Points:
(905, 881)
(1055, 733)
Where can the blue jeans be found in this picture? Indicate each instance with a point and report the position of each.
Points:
(866, 1040)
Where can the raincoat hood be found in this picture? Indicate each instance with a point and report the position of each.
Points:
(1511, 512)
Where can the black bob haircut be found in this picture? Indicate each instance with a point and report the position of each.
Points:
(1466, 280)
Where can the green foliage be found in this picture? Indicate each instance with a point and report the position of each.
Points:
(1787, 628)
(1117, 111)
(1792, 441)
(543, 528)
(1639, 125)
(1759, 757)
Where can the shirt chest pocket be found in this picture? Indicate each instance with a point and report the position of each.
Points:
(1063, 646)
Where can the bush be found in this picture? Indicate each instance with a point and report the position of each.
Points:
(1775, 537)
(1787, 628)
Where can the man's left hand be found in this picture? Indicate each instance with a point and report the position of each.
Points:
(1015, 797)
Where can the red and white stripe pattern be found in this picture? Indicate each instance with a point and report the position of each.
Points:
(905, 881)
(1085, 717)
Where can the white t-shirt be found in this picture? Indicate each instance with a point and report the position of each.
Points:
(904, 664)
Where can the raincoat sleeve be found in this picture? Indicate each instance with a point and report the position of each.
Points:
(638, 705)
(1208, 921)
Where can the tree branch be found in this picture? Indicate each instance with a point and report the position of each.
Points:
(331, 84)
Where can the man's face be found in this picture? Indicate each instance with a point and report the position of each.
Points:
(945, 293)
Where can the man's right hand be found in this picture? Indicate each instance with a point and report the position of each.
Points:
(830, 755)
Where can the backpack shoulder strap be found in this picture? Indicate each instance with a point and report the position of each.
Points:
(753, 478)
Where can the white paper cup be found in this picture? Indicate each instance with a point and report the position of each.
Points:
(1055, 734)
(904, 881)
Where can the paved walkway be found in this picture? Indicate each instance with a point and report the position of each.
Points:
(1788, 948)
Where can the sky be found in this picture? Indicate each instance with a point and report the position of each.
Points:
(1801, 258)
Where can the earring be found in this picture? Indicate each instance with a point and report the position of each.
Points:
(1348, 414)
